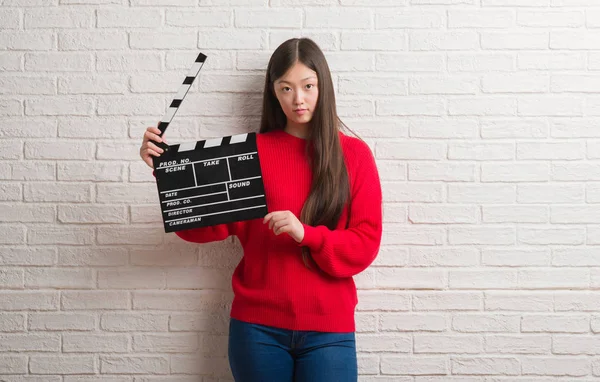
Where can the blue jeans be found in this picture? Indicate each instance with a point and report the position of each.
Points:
(259, 353)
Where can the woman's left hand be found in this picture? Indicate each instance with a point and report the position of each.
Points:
(285, 221)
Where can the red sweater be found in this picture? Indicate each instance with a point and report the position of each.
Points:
(271, 284)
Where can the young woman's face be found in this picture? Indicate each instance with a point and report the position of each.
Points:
(297, 92)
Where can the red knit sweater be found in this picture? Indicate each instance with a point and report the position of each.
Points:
(271, 284)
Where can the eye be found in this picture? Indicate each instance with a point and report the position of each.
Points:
(285, 88)
(311, 86)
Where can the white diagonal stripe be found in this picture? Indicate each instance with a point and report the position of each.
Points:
(186, 146)
(182, 91)
(213, 142)
(170, 113)
(239, 138)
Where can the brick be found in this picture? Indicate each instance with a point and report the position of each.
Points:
(29, 342)
(127, 62)
(414, 365)
(89, 343)
(95, 300)
(27, 213)
(93, 171)
(141, 278)
(401, 19)
(485, 323)
(28, 256)
(165, 343)
(59, 278)
(128, 18)
(413, 322)
(11, 61)
(482, 279)
(480, 18)
(565, 366)
(373, 41)
(98, 84)
(92, 40)
(181, 300)
(33, 170)
(523, 172)
(135, 322)
(105, 257)
(398, 278)
(555, 323)
(59, 61)
(12, 234)
(134, 365)
(132, 105)
(57, 18)
(449, 40)
(28, 128)
(59, 105)
(192, 18)
(12, 322)
(513, 301)
(515, 40)
(26, 40)
(63, 364)
(232, 39)
(130, 235)
(61, 322)
(342, 18)
(388, 342)
(486, 366)
(11, 278)
(13, 364)
(92, 214)
(58, 192)
(409, 62)
(447, 301)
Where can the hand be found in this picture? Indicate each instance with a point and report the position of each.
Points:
(285, 221)
(148, 148)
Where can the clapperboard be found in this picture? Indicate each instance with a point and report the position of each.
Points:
(209, 182)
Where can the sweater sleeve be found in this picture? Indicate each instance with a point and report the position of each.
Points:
(207, 234)
(347, 252)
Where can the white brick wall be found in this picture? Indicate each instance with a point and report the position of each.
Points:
(482, 117)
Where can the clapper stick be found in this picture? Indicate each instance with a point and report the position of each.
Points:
(181, 93)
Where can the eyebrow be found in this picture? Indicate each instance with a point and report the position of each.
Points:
(280, 81)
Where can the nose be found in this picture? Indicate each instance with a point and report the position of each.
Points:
(298, 97)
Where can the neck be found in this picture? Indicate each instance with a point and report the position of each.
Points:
(297, 130)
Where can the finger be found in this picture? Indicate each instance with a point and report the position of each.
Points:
(154, 130)
(152, 152)
(267, 217)
(152, 137)
(270, 216)
(274, 220)
(148, 161)
(154, 147)
(280, 224)
(284, 229)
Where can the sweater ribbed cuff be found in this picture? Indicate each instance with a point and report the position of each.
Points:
(313, 238)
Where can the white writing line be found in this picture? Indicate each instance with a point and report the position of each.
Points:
(216, 213)
(211, 204)
(208, 185)
(193, 197)
(206, 160)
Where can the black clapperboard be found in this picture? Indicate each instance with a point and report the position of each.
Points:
(209, 182)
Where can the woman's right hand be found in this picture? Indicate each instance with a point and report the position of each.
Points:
(148, 148)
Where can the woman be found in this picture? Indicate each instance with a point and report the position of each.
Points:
(292, 317)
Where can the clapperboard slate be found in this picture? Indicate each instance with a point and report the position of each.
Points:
(209, 182)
